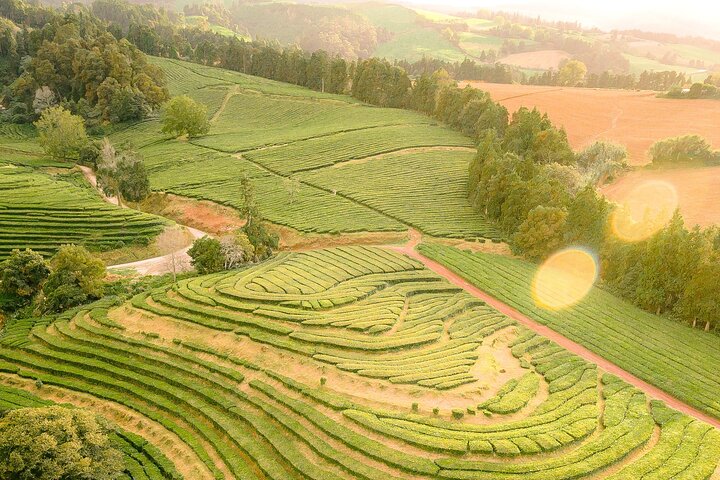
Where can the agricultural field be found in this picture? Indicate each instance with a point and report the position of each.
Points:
(40, 212)
(635, 119)
(277, 133)
(698, 191)
(404, 186)
(352, 362)
(643, 344)
(537, 60)
(410, 38)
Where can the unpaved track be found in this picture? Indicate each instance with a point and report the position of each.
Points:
(579, 350)
(162, 264)
(155, 265)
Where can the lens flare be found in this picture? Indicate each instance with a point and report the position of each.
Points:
(645, 210)
(564, 279)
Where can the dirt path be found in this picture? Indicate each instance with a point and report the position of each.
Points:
(155, 265)
(164, 263)
(92, 180)
(579, 350)
(231, 92)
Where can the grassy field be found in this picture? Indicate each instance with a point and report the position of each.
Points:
(639, 64)
(271, 131)
(355, 363)
(661, 351)
(40, 212)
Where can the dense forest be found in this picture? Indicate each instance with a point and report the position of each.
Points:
(71, 59)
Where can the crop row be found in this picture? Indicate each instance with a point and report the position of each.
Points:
(333, 149)
(654, 348)
(41, 213)
(404, 186)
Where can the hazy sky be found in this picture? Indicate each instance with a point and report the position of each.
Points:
(695, 17)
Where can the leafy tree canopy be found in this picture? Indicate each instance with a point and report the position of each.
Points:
(23, 274)
(55, 443)
(77, 276)
(61, 134)
(185, 116)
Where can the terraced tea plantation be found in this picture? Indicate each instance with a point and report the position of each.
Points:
(272, 131)
(354, 362)
(663, 352)
(43, 213)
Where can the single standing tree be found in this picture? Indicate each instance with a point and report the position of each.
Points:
(173, 240)
(122, 174)
(236, 249)
(134, 184)
(292, 187)
(61, 134)
(57, 443)
(23, 274)
(207, 255)
(184, 116)
(77, 276)
(572, 73)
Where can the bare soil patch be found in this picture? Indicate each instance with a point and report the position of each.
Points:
(539, 60)
(636, 119)
(203, 215)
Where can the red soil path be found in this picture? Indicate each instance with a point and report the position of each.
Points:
(652, 391)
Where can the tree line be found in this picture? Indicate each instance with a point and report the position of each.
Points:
(526, 177)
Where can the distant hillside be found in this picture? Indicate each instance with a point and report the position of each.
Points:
(402, 33)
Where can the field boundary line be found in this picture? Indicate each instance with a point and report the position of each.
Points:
(570, 345)
(529, 94)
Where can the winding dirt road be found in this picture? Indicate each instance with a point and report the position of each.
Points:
(579, 350)
(150, 266)
(162, 264)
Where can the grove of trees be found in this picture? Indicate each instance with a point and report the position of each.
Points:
(683, 150)
(73, 276)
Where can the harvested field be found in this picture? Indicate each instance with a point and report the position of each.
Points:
(636, 119)
(698, 191)
(540, 60)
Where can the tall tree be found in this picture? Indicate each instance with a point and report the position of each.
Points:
(60, 133)
(23, 274)
(77, 276)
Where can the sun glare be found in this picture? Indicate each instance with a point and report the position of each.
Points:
(564, 279)
(644, 211)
